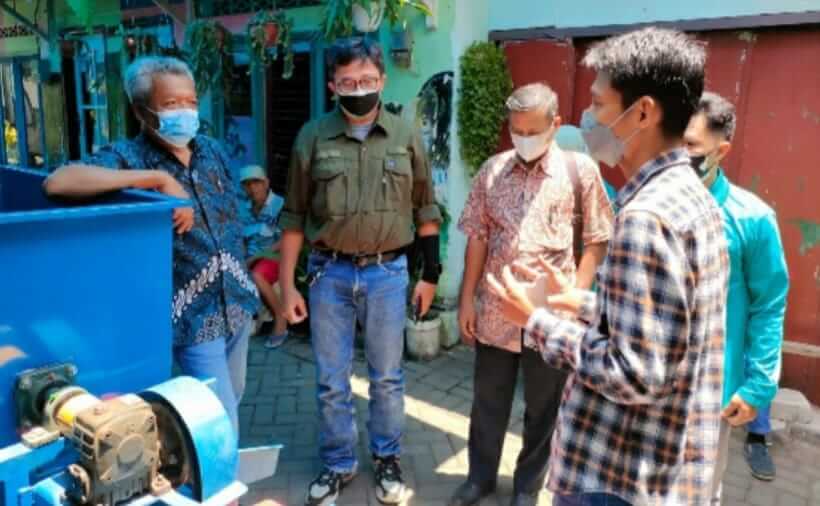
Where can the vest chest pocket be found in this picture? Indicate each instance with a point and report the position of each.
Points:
(329, 175)
(397, 180)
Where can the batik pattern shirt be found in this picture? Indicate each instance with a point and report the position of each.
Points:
(526, 214)
(214, 295)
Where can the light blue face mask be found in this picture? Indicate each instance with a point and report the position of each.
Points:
(177, 126)
(604, 146)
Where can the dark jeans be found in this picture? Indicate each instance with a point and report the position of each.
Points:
(494, 379)
(596, 499)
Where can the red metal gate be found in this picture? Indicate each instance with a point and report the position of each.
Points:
(772, 76)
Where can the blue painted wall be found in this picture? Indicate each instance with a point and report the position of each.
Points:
(510, 14)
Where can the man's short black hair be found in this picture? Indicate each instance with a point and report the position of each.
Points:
(349, 49)
(666, 65)
(719, 113)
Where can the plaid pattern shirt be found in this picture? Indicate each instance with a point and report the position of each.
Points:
(640, 415)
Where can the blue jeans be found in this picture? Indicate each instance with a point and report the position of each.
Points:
(761, 424)
(376, 296)
(594, 499)
(225, 360)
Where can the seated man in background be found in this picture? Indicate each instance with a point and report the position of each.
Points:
(260, 220)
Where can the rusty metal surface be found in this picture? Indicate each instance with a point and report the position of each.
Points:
(772, 76)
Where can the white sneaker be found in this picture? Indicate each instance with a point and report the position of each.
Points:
(390, 487)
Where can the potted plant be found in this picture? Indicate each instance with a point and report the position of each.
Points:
(208, 49)
(422, 334)
(342, 16)
(401, 47)
(367, 18)
(269, 33)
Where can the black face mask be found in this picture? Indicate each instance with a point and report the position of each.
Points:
(359, 105)
(697, 164)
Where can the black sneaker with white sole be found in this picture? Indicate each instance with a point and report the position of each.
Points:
(390, 487)
(325, 489)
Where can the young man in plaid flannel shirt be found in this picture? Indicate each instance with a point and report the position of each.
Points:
(640, 417)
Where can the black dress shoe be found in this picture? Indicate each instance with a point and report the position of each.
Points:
(524, 500)
(468, 494)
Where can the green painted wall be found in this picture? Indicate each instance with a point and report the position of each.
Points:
(510, 14)
(471, 25)
(432, 53)
(22, 46)
(81, 13)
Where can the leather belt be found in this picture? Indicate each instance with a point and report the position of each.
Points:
(363, 259)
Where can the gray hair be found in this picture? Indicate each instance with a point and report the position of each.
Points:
(534, 97)
(139, 76)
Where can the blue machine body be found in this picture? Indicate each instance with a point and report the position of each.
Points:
(88, 285)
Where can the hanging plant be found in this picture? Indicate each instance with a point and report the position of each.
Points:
(485, 85)
(338, 16)
(209, 49)
(269, 33)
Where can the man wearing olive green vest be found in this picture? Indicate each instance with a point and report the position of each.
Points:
(359, 189)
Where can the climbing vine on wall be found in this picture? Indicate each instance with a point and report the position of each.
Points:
(485, 85)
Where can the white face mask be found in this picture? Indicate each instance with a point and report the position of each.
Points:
(531, 147)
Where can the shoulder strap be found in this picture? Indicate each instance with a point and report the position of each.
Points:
(577, 213)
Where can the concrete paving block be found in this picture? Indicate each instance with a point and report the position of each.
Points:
(761, 494)
(787, 499)
(791, 406)
(808, 430)
(729, 492)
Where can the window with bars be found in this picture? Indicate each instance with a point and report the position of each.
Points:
(228, 7)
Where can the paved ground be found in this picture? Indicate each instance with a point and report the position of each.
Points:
(280, 406)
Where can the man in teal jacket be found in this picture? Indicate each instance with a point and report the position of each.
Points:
(758, 283)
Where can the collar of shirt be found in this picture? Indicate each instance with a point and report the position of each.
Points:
(268, 203)
(546, 163)
(648, 171)
(157, 152)
(720, 188)
(338, 125)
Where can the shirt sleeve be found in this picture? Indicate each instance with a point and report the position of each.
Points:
(597, 208)
(474, 221)
(297, 198)
(425, 208)
(767, 280)
(632, 354)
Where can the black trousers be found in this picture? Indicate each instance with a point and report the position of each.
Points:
(494, 379)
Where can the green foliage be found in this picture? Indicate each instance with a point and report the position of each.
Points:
(337, 20)
(264, 48)
(208, 50)
(485, 86)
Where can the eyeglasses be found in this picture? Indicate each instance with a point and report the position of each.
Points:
(367, 84)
